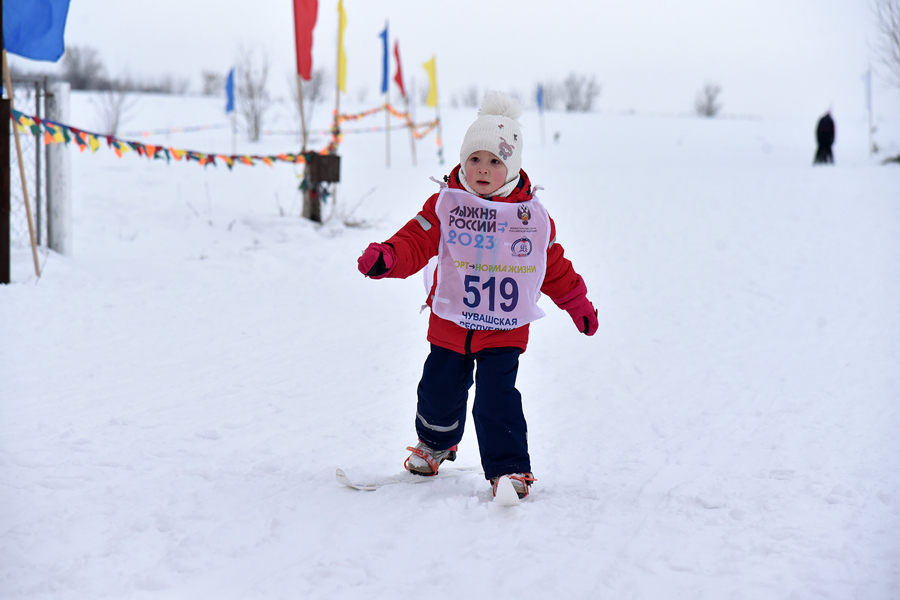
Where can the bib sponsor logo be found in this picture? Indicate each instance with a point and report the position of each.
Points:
(473, 218)
(524, 214)
(521, 247)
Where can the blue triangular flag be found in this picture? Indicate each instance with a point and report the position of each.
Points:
(384, 59)
(34, 28)
(229, 92)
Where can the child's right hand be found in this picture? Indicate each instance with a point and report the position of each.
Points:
(580, 308)
(585, 316)
(377, 261)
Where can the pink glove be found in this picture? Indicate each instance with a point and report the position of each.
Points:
(377, 261)
(580, 308)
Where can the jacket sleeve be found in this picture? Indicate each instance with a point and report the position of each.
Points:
(417, 241)
(560, 278)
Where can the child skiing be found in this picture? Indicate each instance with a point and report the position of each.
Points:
(496, 252)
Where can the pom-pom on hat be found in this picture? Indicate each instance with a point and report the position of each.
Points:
(497, 131)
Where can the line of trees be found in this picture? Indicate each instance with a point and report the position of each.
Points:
(82, 67)
(575, 93)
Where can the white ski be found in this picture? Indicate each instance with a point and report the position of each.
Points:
(506, 494)
(373, 483)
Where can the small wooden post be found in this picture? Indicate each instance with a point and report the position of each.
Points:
(320, 168)
(9, 88)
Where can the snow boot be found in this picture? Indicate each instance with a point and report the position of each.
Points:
(425, 461)
(521, 483)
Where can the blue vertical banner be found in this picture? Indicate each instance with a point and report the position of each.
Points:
(540, 98)
(229, 92)
(34, 28)
(384, 59)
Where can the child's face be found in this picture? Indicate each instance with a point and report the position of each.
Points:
(485, 172)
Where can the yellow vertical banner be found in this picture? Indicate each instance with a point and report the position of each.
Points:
(342, 56)
(431, 68)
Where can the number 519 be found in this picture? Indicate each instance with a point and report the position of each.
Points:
(509, 290)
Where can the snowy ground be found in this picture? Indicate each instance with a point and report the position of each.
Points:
(175, 396)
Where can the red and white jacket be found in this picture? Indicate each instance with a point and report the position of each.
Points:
(418, 241)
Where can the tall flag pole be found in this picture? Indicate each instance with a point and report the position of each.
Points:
(34, 30)
(868, 80)
(432, 101)
(341, 68)
(398, 78)
(341, 87)
(229, 109)
(385, 89)
(305, 15)
(540, 105)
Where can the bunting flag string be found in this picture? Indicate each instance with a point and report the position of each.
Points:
(168, 130)
(59, 133)
(56, 133)
(420, 130)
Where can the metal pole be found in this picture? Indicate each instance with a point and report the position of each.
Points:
(869, 107)
(387, 102)
(302, 113)
(440, 137)
(412, 131)
(4, 176)
(387, 126)
(337, 111)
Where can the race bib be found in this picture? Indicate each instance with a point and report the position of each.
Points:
(491, 261)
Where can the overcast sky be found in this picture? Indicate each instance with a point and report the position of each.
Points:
(770, 57)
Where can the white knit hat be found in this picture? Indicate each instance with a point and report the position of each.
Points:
(497, 131)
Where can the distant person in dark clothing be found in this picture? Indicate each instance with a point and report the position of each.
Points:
(825, 138)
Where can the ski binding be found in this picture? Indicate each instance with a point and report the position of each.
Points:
(505, 494)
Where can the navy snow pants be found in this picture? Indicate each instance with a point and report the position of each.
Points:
(497, 409)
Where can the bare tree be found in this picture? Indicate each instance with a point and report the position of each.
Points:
(579, 92)
(887, 13)
(83, 69)
(213, 84)
(707, 104)
(112, 107)
(553, 95)
(252, 96)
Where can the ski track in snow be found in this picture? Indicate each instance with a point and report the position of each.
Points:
(177, 394)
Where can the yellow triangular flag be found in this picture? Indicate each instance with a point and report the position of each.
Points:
(431, 67)
(342, 56)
